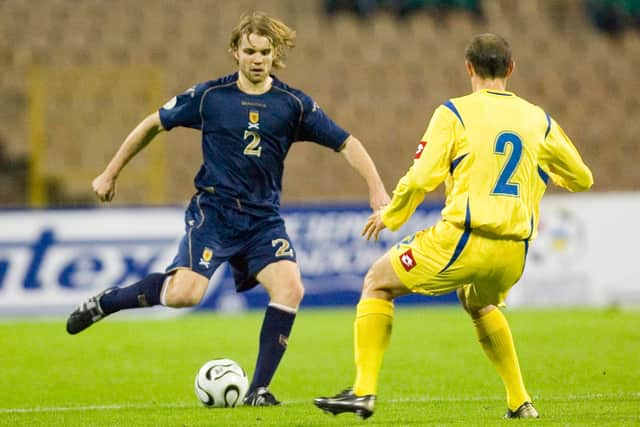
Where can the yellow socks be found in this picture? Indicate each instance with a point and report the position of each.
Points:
(496, 340)
(372, 330)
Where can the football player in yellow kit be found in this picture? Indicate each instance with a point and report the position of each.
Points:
(495, 152)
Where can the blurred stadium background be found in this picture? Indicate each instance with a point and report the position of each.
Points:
(77, 76)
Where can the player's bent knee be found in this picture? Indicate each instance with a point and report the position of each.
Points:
(369, 282)
(479, 311)
(183, 292)
(374, 286)
(382, 282)
(290, 293)
(179, 298)
(297, 292)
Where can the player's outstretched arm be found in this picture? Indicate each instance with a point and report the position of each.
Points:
(359, 159)
(104, 185)
(562, 160)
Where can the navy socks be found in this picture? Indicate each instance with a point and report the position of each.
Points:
(274, 335)
(144, 293)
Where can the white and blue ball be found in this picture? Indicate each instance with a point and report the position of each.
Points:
(221, 383)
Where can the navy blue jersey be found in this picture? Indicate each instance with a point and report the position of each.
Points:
(245, 138)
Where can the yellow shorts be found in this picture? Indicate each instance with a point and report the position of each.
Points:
(444, 258)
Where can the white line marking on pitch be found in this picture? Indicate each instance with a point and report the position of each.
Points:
(595, 396)
(95, 407)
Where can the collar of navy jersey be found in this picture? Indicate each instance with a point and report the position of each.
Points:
(275, 82)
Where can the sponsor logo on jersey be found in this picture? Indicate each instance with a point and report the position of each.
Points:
(407, 260)
(205, 259)
(420, 149)
(253, 104)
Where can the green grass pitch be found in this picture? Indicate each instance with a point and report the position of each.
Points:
(581, 367)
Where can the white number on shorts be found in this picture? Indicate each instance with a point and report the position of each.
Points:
(284, 248)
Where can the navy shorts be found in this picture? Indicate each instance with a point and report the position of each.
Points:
(215, 233)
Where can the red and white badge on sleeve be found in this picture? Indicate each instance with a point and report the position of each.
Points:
(420, 149)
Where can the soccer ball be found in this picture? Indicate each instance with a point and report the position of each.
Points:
(221, 383)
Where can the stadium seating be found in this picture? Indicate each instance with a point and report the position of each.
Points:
(102, 66)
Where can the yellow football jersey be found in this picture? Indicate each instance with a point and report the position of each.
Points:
(495, 152)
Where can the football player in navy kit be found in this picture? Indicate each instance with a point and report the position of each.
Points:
(248, 121)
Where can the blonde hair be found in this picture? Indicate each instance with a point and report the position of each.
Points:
(279, 34)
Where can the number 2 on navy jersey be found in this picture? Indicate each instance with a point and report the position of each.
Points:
(252, 148)
(503, 186)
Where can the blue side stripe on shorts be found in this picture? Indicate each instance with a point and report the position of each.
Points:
(526, 245)
(463, 239)
(461, 244)
(530, 232)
